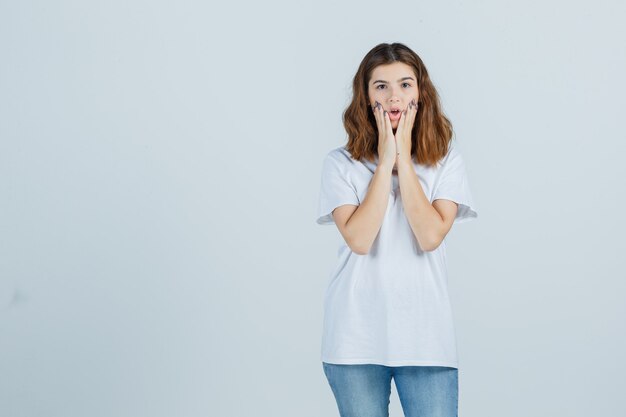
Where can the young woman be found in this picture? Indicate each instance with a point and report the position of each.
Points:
(393, 191)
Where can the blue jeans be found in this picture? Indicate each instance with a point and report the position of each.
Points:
(364, 390)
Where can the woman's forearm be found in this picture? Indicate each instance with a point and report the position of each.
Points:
(424, 220)
(364, 224)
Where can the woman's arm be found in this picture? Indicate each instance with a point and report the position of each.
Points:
(430, 225)
(359, 225)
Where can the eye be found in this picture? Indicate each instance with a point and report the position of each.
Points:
(383, 85)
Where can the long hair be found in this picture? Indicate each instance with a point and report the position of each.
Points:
(432, 131)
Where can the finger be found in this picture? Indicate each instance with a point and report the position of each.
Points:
(381, 119)
(402, 123)
(414, 110)
(408, 116)
(388, 127)
(377, 117)
(383, 123)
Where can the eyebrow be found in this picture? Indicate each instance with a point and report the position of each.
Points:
(401, 79)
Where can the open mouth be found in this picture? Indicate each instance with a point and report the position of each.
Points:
(395, 114)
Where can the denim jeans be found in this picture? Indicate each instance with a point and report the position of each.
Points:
(364, 390)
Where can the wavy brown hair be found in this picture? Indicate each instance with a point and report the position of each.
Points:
(432, 131)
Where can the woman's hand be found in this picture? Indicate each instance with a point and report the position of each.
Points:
(386, 140)
(403, 132)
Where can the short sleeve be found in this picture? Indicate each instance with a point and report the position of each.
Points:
(335, 190)
(453, 185)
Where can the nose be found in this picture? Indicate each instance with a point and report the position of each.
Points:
(394, 101)
(394, 97)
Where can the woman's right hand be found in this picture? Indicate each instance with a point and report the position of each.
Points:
(386, 140)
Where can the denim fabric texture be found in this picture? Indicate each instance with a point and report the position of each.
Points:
(363, 390)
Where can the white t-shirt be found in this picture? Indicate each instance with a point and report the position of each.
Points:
(390, 306)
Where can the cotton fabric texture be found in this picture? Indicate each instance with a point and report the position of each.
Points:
(390, 306)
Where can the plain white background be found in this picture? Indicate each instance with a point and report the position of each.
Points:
(159, 175)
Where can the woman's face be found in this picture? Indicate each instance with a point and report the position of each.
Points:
(393, 86)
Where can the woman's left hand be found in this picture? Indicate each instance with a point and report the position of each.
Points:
(403, 132)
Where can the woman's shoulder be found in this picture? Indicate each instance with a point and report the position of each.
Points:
(451, 155)
(340, 155)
